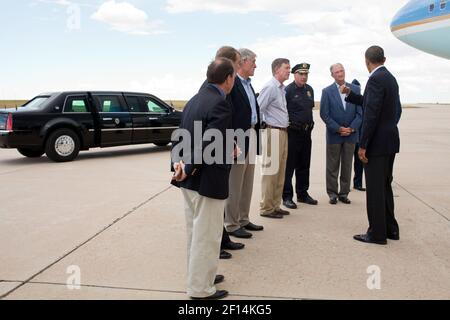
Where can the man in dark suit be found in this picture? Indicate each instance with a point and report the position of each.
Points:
(246, 123)
(358, 166)
(203, 177)
(343, 121)
(234, 55)
(379, 143)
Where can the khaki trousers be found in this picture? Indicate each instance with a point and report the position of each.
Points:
(237, 206)
(275, 154)
(204, 224)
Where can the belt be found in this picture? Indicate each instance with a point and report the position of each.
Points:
(301, 126)
(278, 128)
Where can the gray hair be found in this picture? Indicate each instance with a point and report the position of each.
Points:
(246, 54)
(335, 65)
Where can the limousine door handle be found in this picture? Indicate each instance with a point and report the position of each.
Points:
(107, 119)
(152, 118)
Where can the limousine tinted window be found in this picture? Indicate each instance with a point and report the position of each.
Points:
(109, 104)
(135, 104)
(76, 105)
(153, 107)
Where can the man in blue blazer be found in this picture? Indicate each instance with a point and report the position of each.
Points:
(343, 120)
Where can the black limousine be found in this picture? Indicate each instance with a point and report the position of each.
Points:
(61, 124)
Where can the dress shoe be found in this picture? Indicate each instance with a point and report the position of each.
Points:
(282, 212)
(393, 236)
(220, 294)
(333, 201)
(241, 233)
(368, 239)
(219, 279)
(308, 200)
(289, 204)
(272, 215)
(233, 245)
(225, 255)
(345, 200)
(360, 189)
(253, 227)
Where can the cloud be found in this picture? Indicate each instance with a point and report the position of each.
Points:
(332, 31)
(124, 17)
(58, 2)
(217, 6)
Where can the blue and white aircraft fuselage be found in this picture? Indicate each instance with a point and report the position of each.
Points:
(425, 25)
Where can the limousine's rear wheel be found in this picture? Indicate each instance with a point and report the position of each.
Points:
(31, 153)
(62, 145)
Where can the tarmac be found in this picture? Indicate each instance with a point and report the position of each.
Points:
(111, 222)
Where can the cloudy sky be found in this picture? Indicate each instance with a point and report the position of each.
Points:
(164, 46)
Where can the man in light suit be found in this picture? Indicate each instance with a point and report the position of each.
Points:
(379, 143)
(204, 185)
(343, 120)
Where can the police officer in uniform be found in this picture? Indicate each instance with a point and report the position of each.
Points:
(300, 104)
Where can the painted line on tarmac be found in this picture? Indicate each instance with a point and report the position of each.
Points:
(158, 290)
(85, 242)
(423, 202)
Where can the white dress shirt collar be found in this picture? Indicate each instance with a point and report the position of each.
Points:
(374, 70)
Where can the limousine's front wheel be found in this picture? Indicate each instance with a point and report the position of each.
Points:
(62, 145)
(31, 153)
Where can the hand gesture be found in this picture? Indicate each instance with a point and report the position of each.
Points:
(345, 90)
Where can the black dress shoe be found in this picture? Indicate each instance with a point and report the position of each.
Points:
(219, 279)
(345, 200)
(360, 189)
(225, 255)
(368, 239)
(282, 212)
(272, 215)
(308, 200)
(233, 245)
(220, 294)
(241, 233)
(333, 201)
(289, 204)
(253, 227)
(393, 236)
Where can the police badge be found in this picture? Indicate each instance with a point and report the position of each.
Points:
(309, 94)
